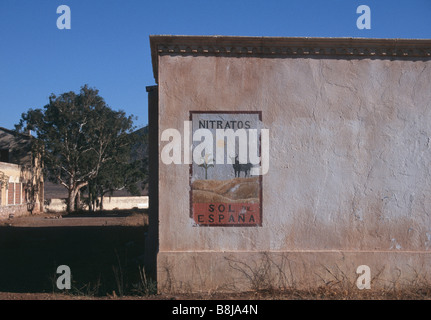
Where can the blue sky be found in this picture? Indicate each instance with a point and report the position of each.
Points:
(107, 46)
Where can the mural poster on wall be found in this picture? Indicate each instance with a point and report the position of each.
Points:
(224, 190)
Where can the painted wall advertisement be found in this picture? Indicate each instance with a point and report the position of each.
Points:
(224, 187)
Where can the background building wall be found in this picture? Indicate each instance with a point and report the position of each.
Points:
(13, 198)
(109, 203)
(24, 193)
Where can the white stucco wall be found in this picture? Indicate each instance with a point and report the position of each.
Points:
(349, 163)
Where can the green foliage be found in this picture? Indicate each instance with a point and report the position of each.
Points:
(81, 140)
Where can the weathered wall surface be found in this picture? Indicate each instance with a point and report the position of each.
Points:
(109, 203)
(349, 179)
(15, 211)
(12, 198)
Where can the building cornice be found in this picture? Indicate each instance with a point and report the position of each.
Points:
(287, 47)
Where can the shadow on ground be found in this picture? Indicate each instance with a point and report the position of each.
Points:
(101, 258)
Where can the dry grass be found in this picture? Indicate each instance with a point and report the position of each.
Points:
(105, 262)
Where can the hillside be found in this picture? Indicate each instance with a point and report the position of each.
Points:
(237, 190)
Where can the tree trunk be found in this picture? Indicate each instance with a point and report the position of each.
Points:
(71, 200)
(78, 200)
(91, 201)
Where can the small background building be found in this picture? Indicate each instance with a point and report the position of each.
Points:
(21, 179)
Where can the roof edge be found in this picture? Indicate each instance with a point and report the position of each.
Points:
(15, 133)
(244, 46)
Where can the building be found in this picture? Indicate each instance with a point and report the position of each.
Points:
(21, 178)
(348, 178)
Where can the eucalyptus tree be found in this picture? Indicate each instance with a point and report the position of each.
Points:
(78, 136)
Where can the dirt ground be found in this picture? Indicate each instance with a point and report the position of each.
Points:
(103, 250)
(119, 218)
(105, 253)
